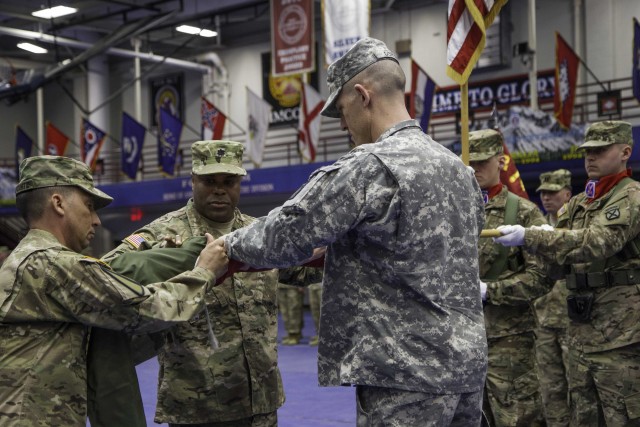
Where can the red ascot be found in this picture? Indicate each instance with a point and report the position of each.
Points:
(493, 191)
(598, 188)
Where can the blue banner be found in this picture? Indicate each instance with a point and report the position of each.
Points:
(635, 73)
(168, 141)
(24, 145)
(131, 145)
(429, 91)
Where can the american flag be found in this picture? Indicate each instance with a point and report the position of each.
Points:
(135, 240)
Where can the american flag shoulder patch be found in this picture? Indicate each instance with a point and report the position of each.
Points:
(135, 240)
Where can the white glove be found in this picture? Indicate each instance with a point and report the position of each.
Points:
(512, 235)
(544, 227)
(483, 290)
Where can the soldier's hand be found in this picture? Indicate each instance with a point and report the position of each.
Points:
(213, 257)
(512, 235)
(171, 241)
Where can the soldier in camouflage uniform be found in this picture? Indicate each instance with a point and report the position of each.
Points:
(51, 296)
(400, 214)
(596, 244)
(292, 281)
(290, 304)
(551, 315)
(511, 280)
(238, 383)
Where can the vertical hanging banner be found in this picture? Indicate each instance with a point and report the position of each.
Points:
(311, 104)
(212, 121)
(258, 124)
(91, 140)
(635, 72)
(131, 145)
(292, 41)
(168, 141)
(24, 145)
(567, 63)
(421, 98)
(57, 142)
(345, 22)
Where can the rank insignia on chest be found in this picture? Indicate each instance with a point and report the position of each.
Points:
(612, 213)
(590, 189)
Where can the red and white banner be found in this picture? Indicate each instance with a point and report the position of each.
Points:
(292, 41)
(311, 104)
(212, 121)
(567, 63)
(466, 27)
(345, 22)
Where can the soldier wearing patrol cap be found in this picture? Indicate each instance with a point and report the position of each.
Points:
(552, 346)
(52, 297)
(401, 315)
(511, 280)
(596, 249)
(239, 383)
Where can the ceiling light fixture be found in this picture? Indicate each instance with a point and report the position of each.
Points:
(54, 12)
(32, 48)
(195, 30)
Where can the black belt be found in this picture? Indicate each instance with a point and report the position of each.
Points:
(603, 279)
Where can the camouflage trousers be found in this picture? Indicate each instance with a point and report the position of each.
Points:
(512, 396)
(315, 302)
(261, 420)
(378, 407)
(604, 387)
(552, 359)
(290, 300)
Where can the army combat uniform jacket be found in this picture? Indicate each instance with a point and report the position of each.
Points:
(239, 379)
(50, 297)
(508, 310)
(401, 303)
(606, 228)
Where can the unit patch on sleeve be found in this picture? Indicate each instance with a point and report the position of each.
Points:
(612, 213)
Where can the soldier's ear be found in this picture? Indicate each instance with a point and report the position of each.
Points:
(626, 152)
(57, 203)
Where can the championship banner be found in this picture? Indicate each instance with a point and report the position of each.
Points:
(292, 40)
(212, 121)
(635, 72)
(91, 140)
(24, 145)
(168, 141)
(311, 104)
(258, 121)
(131, 145)
(344, 23)
(466, 26)
(421, 98)
(57, 142)
(567, 63)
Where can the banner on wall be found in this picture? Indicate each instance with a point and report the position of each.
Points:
(212, 121)
(567, 63)
(168, 140)
(635, 72)
(258, 121)
(131, 145)
(91, 140)
(24, 146)
(309, 124)
(166, 93)
(421, 97)
(344, 23)
(56, 141)
(292, 38)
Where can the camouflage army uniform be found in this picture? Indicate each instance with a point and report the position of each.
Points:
(513, 396)
(50, 297)
(401, 308)
(290, 304)
(240, 378)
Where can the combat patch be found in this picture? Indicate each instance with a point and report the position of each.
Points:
(612, 213)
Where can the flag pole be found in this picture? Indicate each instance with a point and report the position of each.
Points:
(464, 125)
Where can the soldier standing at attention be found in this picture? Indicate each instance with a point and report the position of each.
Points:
(551, 315)
(238, 383)
(51, 296)
(511, 279)
(400, 214)
(597, 247)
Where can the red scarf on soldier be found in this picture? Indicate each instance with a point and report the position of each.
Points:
(597, 188)
(491, 192)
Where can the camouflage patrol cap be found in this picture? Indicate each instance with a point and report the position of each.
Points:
(484, 144)
(209, 157)
(365, 52)
(601, 134)
(555, 181)
(53, 171)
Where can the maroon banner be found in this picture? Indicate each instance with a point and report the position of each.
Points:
(567, 63)
(292, 40)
